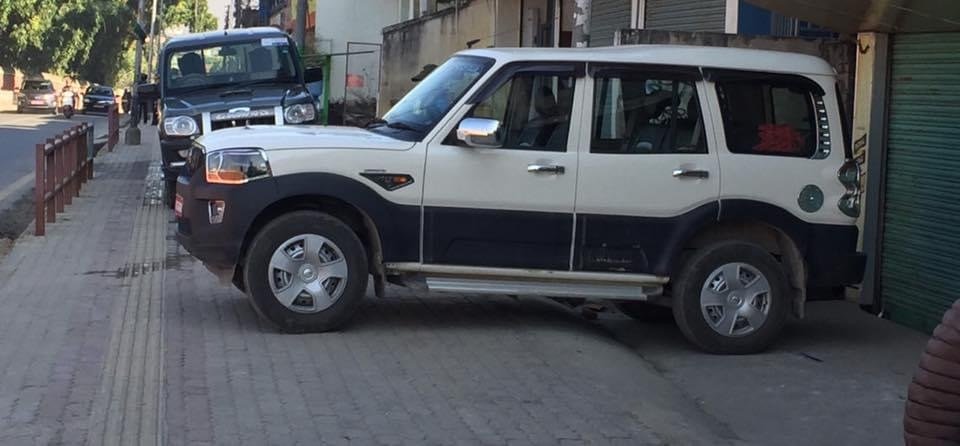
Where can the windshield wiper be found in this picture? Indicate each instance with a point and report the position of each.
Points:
(236, 92)
(401, 126)
(376, 122)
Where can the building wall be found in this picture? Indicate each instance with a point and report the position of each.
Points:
(339, 22)
(432, 39)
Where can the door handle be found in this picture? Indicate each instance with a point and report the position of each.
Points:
(548, 168)
(691, 173)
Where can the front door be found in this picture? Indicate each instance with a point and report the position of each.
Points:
(648, 171)
(509, 206)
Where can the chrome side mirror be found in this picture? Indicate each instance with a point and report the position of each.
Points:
(479, 133)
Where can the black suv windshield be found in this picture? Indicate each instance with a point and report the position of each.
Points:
(263, 60)
(424, 106)
(37, 86)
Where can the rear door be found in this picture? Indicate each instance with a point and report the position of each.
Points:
(648, 171)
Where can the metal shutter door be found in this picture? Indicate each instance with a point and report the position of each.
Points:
(920, 260)
(686, 15)
(606, 18)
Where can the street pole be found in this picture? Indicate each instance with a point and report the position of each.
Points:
(300, 34)
(153, 36)
(581, 23)
(132, 136)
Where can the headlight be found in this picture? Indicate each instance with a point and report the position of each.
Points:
(299, 113)
(49, 97)
(237, 166)
(180, 126)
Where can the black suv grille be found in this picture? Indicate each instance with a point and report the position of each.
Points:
(241, 122)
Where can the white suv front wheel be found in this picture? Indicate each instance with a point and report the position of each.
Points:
(731, 297)
(306, 271)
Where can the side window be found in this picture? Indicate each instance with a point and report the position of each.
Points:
(646, 113)
(533, 110)
(768, 117)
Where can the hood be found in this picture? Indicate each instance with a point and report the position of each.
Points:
(300, 137)
(213, 100)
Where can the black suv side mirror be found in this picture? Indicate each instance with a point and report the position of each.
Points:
(148, 91)
(311, 75)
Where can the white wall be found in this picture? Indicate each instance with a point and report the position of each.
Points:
(342, 21)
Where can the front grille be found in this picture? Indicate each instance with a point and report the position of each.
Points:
(218, 125)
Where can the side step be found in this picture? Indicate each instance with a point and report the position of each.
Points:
(490, 285)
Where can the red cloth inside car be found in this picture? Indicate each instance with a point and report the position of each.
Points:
(779, 138)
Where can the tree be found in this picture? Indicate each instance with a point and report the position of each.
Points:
(192, 13)
(85, 37)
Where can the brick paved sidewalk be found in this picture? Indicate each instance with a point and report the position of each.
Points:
(56, 297)
(111, 334)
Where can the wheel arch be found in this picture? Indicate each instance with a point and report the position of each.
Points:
(769, 236)
(351, 215)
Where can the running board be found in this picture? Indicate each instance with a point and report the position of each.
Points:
(528, 274)
(541, 288)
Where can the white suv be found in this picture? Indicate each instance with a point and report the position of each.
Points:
(711, 180)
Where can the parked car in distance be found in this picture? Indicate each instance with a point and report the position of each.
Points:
(713, 181)
(222, 79)
(98, 98)
(37, 95)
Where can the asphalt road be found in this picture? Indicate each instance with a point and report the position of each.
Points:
(19, 134)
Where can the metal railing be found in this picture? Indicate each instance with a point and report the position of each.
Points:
(64, 164)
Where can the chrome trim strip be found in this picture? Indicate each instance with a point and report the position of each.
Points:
(570, 276)
(536, 288)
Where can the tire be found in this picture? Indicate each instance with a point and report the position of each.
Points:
(755, 317)
(646, 312)
(307, 230)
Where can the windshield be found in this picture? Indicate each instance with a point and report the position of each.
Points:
(263, 60)
(99, 91)
(423, 107)
(37, 86)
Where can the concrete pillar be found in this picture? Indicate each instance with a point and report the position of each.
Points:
(870, 149)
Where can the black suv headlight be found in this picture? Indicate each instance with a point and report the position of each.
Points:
(299, 113)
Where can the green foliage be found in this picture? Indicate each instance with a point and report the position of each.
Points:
(81, 37)
(192, 13)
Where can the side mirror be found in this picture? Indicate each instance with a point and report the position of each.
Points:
(311, 75)
(149, 91)
(479, 133)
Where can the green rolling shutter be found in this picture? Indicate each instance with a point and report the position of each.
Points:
(686, 15)
(606, 18)
(920, 263)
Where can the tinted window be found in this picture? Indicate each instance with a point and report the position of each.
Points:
(767, 117)
(37, 86)
(99, 91)
(638, 113)
(533, 110)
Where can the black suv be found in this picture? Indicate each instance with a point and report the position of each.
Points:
(221, 79)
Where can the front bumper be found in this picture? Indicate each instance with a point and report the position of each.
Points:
(172, 161)
(219, 245)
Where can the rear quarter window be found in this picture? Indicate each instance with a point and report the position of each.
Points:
(769, 116)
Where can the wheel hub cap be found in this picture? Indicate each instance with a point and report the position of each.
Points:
(308, 273)
(735, 299)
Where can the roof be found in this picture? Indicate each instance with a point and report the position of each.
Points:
(223, 36)
(679, 55)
